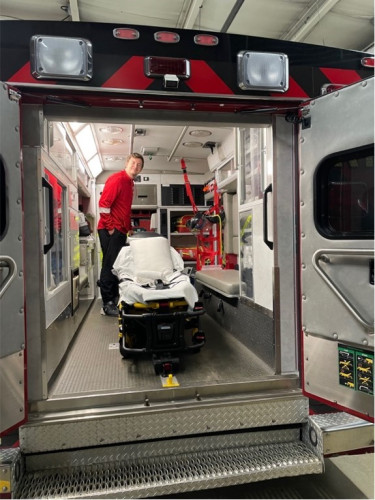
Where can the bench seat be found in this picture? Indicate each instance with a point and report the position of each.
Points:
(224, 281)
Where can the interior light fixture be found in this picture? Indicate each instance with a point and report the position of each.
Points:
(112, 142)
(263, 71)
(192, 144)
(61, 57)
(114, 158)
(200, 133)
(111, 129)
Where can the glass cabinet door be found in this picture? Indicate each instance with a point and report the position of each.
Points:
(56, 267)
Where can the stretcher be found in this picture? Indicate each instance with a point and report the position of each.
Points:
(159, 310)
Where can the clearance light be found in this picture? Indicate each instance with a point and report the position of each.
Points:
(367, 62)
(167, 37)
(210, 40)
(61, 57)
(328, 88)
(263, 71)
(126, 33)
(161, 66)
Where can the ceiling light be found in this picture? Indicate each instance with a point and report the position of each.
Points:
(111, 129)
(200, 133)
(112, 142)
(114, 158)
(192, 144)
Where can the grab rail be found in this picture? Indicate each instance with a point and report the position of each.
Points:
(343, 252)
(6, 261)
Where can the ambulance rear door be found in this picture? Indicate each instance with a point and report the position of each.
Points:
(336, 243)
(12, 321)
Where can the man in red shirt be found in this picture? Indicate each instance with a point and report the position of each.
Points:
(114, 225)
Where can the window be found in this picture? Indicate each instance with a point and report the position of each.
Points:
(344, 195)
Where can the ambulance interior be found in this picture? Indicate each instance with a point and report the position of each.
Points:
(242, 352)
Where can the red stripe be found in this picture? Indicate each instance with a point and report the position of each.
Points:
(129, 76)
(24, 75)
(294, 90)
(341, 76)
(204, 80)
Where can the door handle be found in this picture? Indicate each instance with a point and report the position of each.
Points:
(49, 245)
(7, 262)
(265, 217)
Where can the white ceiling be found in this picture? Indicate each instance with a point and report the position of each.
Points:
(347, 24)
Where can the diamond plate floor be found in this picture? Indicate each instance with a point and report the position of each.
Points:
(94, 364)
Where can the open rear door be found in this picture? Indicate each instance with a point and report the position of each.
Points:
(12, 324)
(337, 259)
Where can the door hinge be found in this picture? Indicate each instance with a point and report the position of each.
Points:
(13, 95)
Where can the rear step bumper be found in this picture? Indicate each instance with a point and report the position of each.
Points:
(167, 467)
(163, 464)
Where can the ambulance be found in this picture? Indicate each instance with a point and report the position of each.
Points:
(285, 377)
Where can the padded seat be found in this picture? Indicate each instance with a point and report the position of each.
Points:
(224, 281)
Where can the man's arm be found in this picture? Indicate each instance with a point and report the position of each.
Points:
(105, 203)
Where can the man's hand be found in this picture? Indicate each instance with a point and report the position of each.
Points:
(110, 232)
(130, 232)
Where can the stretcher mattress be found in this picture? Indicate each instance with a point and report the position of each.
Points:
(146, 265)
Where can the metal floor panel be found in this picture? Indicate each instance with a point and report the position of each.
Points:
(94, 364)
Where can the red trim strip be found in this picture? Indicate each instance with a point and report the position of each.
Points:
(204, 80)
(341, 76)
(129, 76)
(294, 90)
(24, 75)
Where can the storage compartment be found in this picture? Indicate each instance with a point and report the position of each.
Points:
(145, 195)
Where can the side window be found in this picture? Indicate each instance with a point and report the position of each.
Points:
(344, 195)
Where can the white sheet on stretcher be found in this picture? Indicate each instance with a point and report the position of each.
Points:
(140, 286)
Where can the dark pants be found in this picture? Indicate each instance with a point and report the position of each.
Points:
(111, 246)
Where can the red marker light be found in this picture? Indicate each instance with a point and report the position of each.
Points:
(367, 62)
(166, 37)
(126, 33)
(208, 40)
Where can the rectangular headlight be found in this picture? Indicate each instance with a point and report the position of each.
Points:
(262, 71)
(61, 57)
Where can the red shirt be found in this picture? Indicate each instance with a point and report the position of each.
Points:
(115, 203)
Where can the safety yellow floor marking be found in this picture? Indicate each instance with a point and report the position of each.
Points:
(169, 381)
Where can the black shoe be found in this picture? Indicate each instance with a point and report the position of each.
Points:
(110, 309)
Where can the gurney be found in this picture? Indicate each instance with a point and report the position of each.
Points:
(158, 305)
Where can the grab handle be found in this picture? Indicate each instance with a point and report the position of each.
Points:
(265, 217)
(7, 262)
(51, 242)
